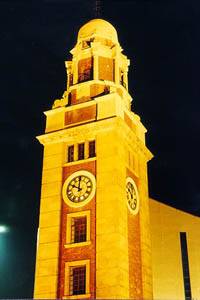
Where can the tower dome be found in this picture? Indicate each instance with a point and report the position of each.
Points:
(98, 27)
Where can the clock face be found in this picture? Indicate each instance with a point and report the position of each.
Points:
(79, 188)
(132, 196)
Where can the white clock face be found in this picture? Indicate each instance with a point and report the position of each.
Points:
(132, 196)
(79, 188)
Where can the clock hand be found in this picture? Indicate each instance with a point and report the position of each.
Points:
(79, 189)
(79, 183)
(74, 185)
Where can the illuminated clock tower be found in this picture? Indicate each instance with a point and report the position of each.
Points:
(94, 235)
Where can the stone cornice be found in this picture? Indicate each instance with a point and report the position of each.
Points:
(89, 130)
(85, 130)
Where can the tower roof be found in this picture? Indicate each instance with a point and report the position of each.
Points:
(98, 27)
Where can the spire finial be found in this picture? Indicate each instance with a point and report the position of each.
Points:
(97, 8)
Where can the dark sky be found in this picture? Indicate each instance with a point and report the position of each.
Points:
(162, 40)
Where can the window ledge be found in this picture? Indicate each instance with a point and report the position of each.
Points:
(77, 244)
(80, 161)
(83, 296)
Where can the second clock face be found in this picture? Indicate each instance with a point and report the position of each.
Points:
(79, 188)
(132, 196)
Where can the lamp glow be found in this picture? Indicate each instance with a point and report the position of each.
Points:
(3, 229)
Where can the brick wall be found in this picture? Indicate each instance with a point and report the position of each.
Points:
(78, 253)
(134, 250)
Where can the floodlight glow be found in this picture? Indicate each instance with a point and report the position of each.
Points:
(3, 229)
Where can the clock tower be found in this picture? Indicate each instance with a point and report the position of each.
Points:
(94, 234)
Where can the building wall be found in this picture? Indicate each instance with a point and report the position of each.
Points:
(166, 225)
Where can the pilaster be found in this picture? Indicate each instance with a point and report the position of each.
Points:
(112, 271)
(46, 275)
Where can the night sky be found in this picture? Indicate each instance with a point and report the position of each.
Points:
(162, 40)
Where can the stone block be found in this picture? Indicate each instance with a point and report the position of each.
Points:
(106, 108)
(53, 161)
(53, 149)
(48, 250)
(51, 189)
(51, 175)
(46, 295)
(47, 267)
(50, 203)
(49, 234)
(45, 284)
(49, 219)
(112, 277)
